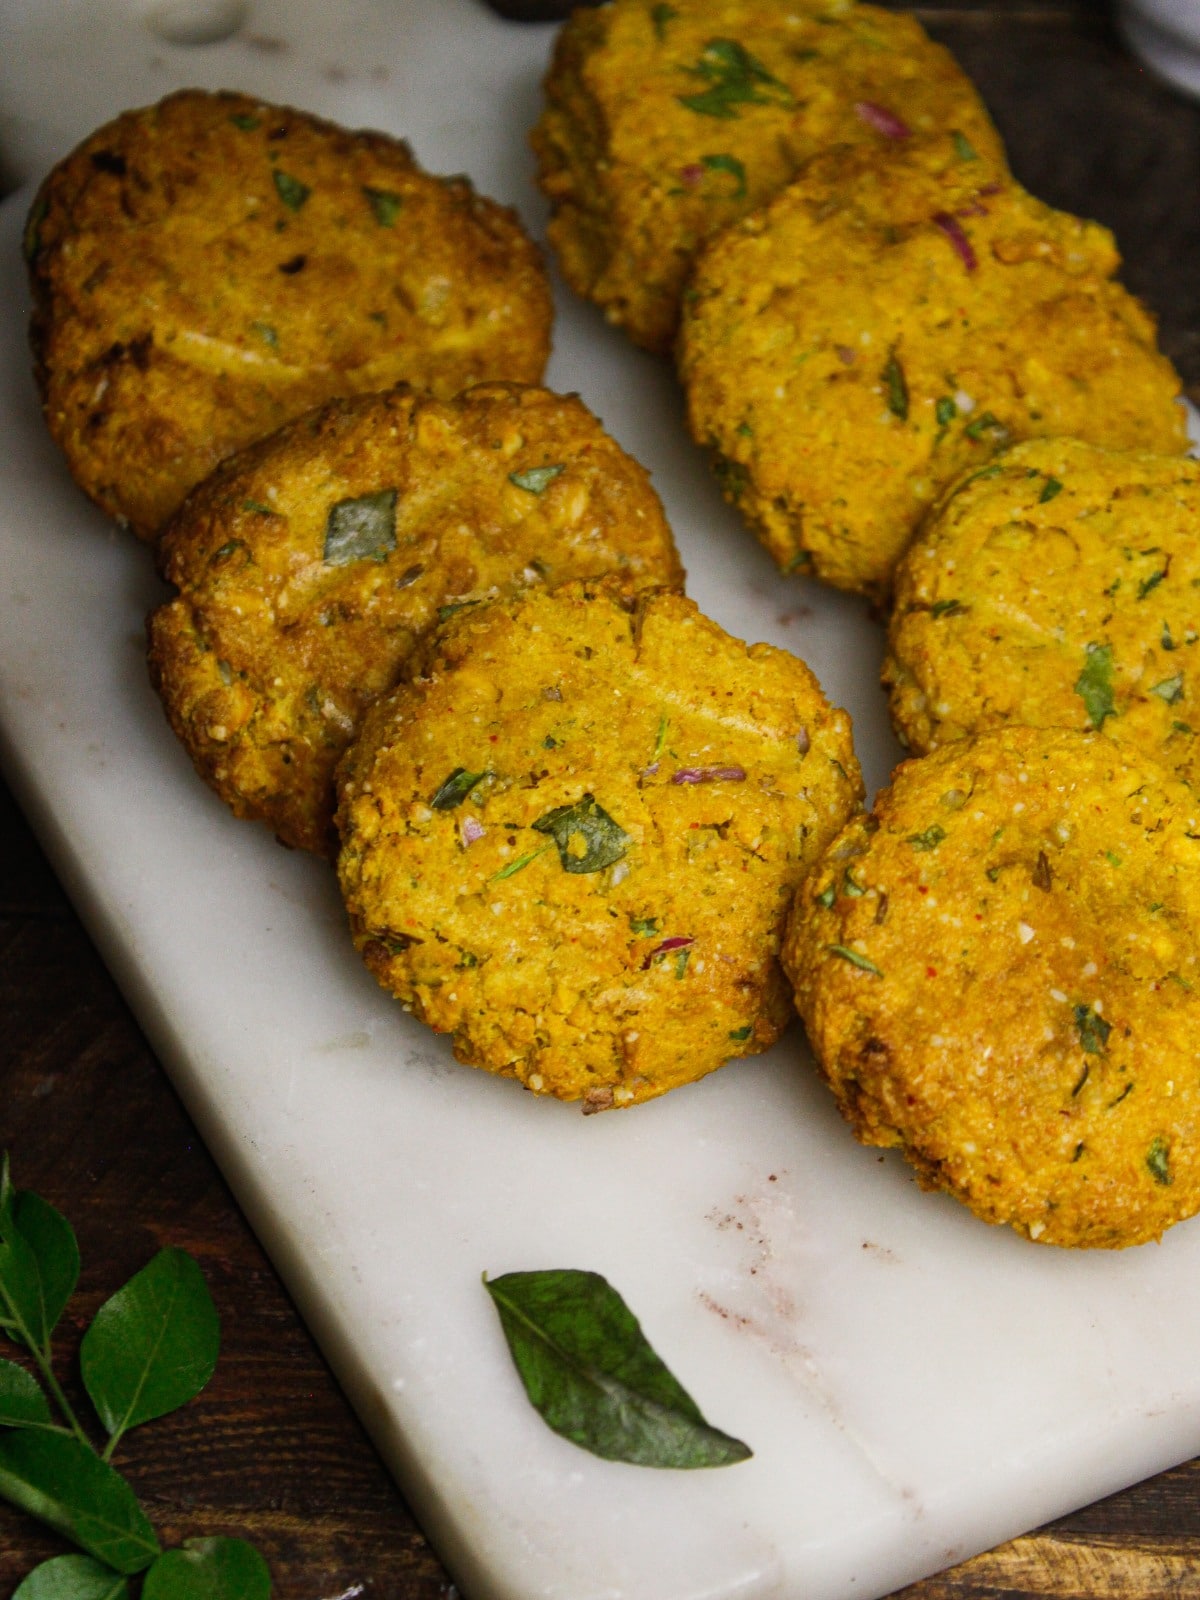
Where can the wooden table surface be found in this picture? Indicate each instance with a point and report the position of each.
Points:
(271, 1449)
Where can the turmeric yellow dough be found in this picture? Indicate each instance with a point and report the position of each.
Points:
(999, 974)
(878, 330)
(1061, 587)
(665, 123)
(308, 566)
(208, 268)
(570, 840)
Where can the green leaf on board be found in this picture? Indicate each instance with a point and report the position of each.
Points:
(73, 1577)
(209, 1569)
(21, 1301)
(361, 529)
(52, 1239)
(61, 1481)
(22, 1402)
(593, 1377)
(153, 1346)
(587, 837)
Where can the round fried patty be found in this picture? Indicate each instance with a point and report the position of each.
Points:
(570, 839)
(999, 970)
(1059, 589)
(878, 330)
(308, 565)
(665, 123)
(211, 266)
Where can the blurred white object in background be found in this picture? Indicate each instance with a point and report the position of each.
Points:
(1165, 34)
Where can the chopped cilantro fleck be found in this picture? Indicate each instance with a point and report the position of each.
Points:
(681, 961)
(1113, 858)
(1050, 488)
(452, 791)
(1148, 585)
(643, 926)
(290, 190)
(854, 958)
(1170, 689)
(244, 121)
(735, 169)
(386, 205)
(518, 864)
(361, 529)
(258, 507)
(985, 423)
(929, 840)
(586, 824)
(963, 148)
(740, 1035)
(897, 388)
(947, 608)
(1094, 684)
(735, 78)
(1092, 1029)
(945, 410)
(1166, 641)
(660, 15)
(536, 479)
(1158, 1160)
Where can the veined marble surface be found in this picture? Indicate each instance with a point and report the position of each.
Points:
(915, 1385)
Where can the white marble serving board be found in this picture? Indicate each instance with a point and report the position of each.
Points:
(915, 1386)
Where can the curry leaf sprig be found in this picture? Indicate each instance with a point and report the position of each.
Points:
(150, 1349)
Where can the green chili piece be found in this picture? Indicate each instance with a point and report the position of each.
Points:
(290, 190)
(536, 479)
(361, 529)
(854, 958)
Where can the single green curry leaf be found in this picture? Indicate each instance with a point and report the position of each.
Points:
(209, 1569)
(52, 1240)
(73, 1577)
(454, 789)
(22, 1403)
(152, 1346)
(361, 529)
(593, 1377)
(64, 1483)
(1094, 684)
(587, 837)
(21, 1304)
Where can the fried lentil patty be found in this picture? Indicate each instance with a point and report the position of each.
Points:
(878, 330)
(1060, 588)
(663, 124)
(308, 566)
(211, 266)
(570, 838)
(998, 970)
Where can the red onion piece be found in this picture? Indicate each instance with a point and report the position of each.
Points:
(472, 830)
(951, 227)
(709, 774)
(882, 120)
(678, 942)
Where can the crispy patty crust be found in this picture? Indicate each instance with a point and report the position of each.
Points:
(878, 330)
(999, 970)
(211, 266)
(309, 565)
(663, 124)
(570, 839)
(1060, 588)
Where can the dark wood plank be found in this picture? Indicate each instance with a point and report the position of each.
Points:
(271, 1450)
